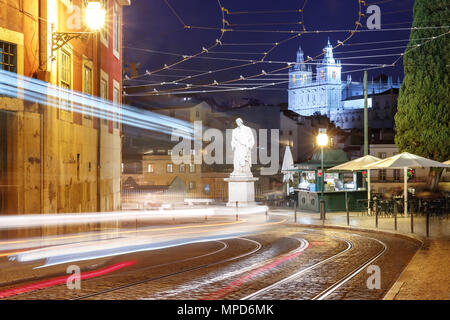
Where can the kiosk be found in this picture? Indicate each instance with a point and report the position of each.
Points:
(336, 185)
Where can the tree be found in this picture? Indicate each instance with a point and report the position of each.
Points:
(423, 115)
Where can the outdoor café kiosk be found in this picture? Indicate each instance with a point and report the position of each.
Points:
(336, 184)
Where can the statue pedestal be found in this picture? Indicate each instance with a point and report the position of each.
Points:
(242, 191)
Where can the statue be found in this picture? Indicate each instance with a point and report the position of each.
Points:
(242, 142)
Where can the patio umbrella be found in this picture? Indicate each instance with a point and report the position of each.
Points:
(406, 161)
(288, 164)
(358, 165)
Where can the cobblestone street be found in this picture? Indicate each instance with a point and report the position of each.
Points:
(284, 262)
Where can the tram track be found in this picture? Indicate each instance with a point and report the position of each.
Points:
(337, 284)
(256, 249)
(351, 274)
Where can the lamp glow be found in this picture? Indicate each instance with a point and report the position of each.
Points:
(322, 139)
(95, 15)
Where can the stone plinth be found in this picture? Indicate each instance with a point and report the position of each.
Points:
(242, 191)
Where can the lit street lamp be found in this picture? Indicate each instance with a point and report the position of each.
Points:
(322, 141)
(94, 17)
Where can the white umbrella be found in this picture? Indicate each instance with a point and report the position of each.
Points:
(358, 165)
(406, 161)
(288, 164)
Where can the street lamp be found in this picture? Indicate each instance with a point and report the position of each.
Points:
(94, 16)
(322, 141)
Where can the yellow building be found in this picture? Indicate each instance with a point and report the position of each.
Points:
(55, 157)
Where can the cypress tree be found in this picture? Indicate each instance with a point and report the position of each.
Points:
(423, 115)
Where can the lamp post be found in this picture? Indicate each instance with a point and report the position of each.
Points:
(322, 141)
(94, 17)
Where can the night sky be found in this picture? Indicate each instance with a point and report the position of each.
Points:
(152, 25)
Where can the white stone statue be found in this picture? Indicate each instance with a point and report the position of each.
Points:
(242, 142)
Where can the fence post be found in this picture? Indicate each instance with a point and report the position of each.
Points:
(395, 215)
(347, 209)
(295, 210)
(376, 218)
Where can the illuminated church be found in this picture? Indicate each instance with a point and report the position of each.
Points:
(324, 92)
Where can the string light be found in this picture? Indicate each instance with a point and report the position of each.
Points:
(299, 34)
(350, 71)
(289, 64)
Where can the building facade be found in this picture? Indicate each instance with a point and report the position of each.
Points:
(57, 157)
(324, 92)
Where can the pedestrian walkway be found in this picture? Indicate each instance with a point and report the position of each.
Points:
(427, 276)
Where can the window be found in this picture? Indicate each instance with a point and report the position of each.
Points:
(150, 168)
(182, 168)
(191, 185)
(8, 56)
(104, 90)
(116, 36)
(382, 174)
(382, 155)
(66, 75)
(396, 174)
(197, 114)
(169, 152)
(116, 100)
(87, 86)
(322, 74)
(65, 80)
(334, 74)
(169, 168)
(192, 168)
(207, 188)
(304, 78)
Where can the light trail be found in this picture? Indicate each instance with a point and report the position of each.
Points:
(89, 250)
(36, 91)
(63, 279)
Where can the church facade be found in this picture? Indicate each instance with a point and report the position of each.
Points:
(324, 92)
